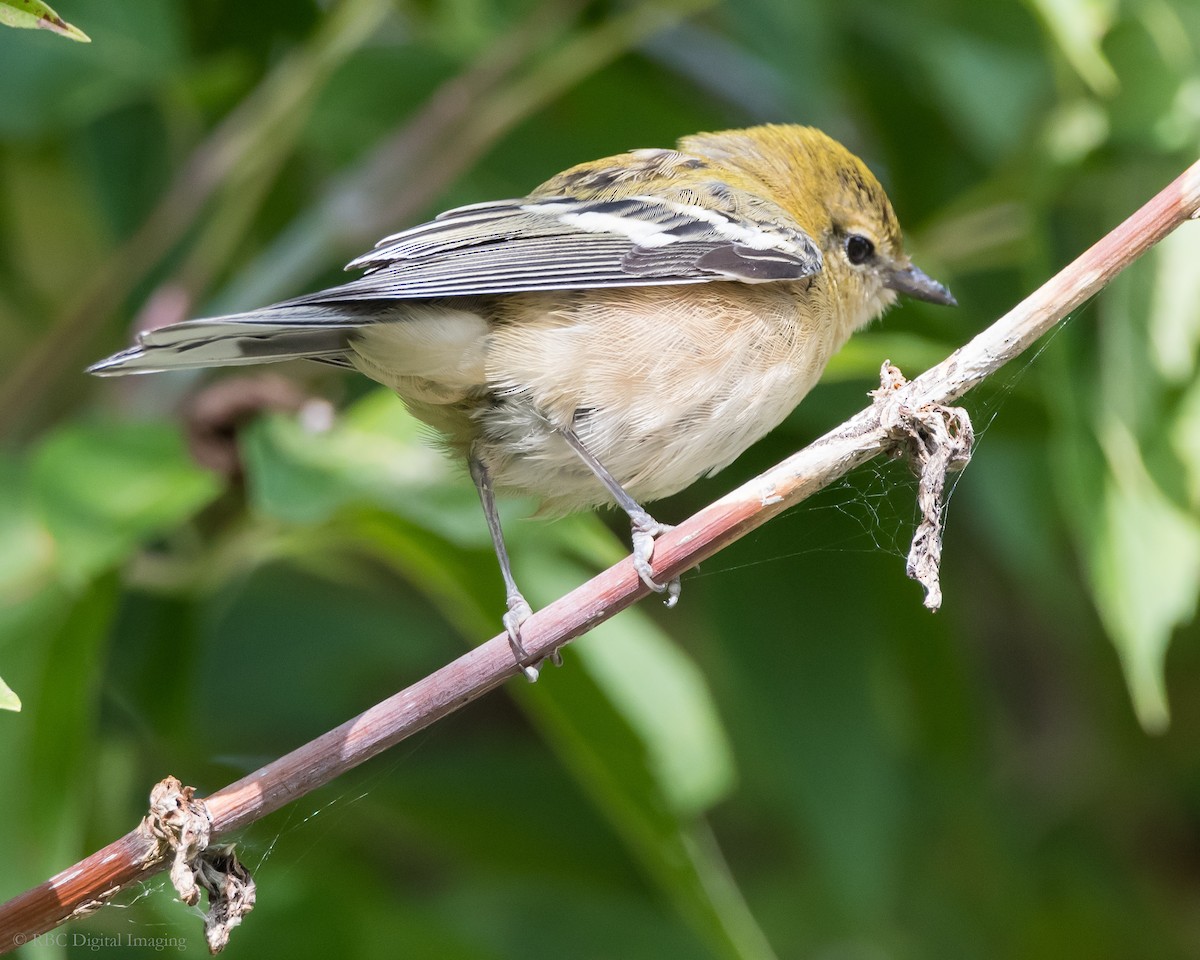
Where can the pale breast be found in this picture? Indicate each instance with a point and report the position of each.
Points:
(662, 384)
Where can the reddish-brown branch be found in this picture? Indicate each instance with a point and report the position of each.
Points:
(139, 853)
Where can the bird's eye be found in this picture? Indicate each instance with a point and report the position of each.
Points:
(858, 248)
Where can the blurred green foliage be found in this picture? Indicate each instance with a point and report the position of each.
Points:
(799, 761)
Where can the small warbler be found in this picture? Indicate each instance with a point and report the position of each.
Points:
(633, 324)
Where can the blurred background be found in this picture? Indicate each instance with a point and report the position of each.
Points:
(800, 760)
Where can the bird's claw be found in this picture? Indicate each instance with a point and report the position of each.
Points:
(644, 533)
(518, 612)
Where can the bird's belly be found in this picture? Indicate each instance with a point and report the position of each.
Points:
(661, 384)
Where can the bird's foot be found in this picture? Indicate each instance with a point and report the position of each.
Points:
(518, 612)
(645, 530)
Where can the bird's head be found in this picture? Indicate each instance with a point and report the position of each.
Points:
(840, 204)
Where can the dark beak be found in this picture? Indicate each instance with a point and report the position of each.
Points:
(913, 282)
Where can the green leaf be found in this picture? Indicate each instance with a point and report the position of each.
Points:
(1185, 441)
(1146, 572)
(102, 489)
(1134, 497)
(1174, 323)
(665, 699)
(633, 718)
(67, 702)
(375, 453)
(8, 699)
(33, 14)
(55, 655)
(27, 562)
(1078, 27)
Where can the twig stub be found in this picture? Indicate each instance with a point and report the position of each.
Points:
(231, 893)
(182, 826)
(936, 439)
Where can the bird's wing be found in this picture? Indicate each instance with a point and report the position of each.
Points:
(564, 242)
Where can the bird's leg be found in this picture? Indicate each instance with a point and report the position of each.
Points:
(645, 527)
(518, 607)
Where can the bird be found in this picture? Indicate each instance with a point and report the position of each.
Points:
(631, 325)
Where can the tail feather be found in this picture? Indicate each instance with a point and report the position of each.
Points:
(263, 336)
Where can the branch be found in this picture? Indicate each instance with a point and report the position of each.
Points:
(145, 851)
